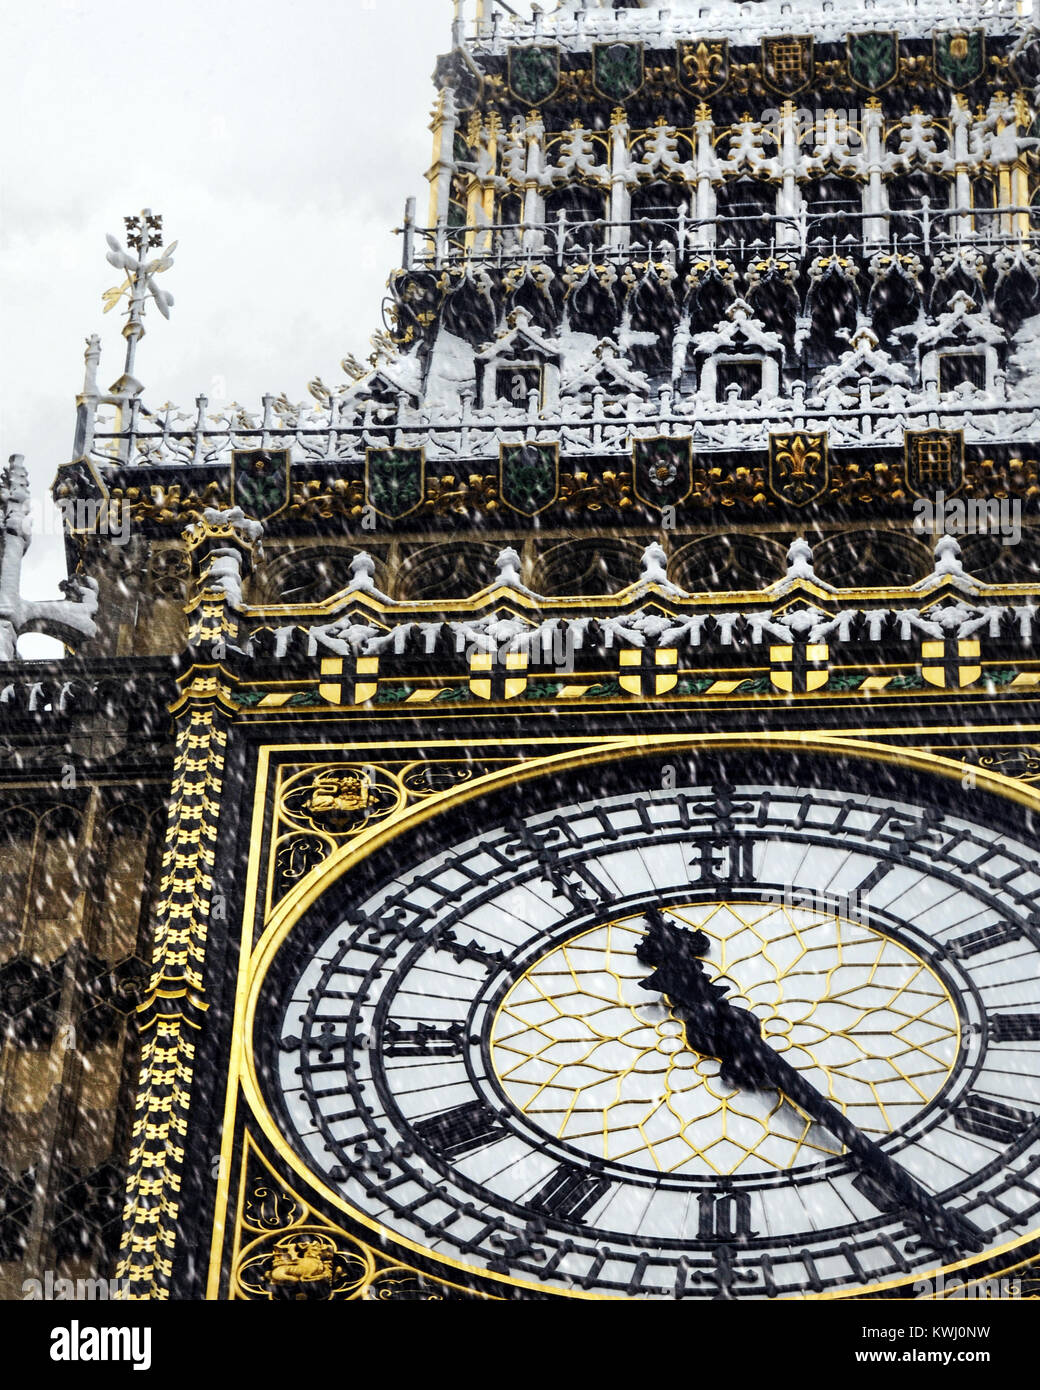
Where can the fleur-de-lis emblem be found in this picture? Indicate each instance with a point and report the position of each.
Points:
(703, 66)
(798, 467)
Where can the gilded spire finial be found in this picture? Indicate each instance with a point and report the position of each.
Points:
(143, 234)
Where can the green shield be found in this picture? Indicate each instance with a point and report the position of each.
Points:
(617, 69)
(959, 56)
(457, 71)
(534, 73)
(260, 481)
(873, 58)
(395, 481)
(529, 476)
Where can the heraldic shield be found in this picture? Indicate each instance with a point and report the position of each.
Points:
(787, 63)
(662, 470)
(529, 476)
(458, 71)
(395, 480)
(703, 65)
(873, 58)
(798, 467)
(534, 72)
(934, 461)
(959, 56)
(260, 481)
(617, 69)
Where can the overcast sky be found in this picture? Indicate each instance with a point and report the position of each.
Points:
(278, 141)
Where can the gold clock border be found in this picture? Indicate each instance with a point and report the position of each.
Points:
(254, 961)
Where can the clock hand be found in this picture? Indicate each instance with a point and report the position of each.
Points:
(714, 1027)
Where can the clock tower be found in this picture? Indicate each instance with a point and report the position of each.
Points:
(600, 858)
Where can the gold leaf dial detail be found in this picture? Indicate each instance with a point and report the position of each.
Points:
(593, 1060)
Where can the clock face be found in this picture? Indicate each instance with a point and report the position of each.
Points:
(753, 1037)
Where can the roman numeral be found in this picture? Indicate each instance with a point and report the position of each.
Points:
(447, 941)
(569, 1193)
(571, 878)
(973, 943)
(574, 882)
(992, 1119)
(424, 1040)
(1014, 1027)
(724, 861)
(725, 1217)
(461, 1130)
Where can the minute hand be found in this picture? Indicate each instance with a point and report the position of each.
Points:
(714, 1027)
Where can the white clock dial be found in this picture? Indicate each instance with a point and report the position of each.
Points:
(473, 1059)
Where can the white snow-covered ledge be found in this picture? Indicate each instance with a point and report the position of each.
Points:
(576, 28)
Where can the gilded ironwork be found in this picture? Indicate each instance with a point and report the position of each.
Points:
(1022, 763)
(323, 805)
(287, 1252)
(338, 799)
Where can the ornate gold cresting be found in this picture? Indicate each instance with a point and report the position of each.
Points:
(593, 491)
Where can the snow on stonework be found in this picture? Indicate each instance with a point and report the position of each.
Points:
(720, 282)
(574, 19)
(670, 552)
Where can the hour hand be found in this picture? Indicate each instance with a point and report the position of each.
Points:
(713, 1027)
